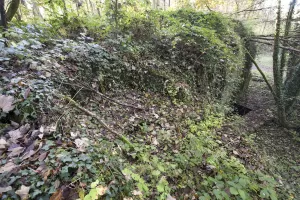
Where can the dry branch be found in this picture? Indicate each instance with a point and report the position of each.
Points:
(103, 95)
(119, 135)
(280, 46)
(263, 76)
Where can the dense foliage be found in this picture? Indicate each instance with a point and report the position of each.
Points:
(182, 68)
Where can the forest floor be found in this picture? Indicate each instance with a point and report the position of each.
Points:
(62, 149)
(280, 147)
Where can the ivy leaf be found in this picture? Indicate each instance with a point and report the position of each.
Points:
(242, 194)
(233, 191)
(273, 195)
(264, 193)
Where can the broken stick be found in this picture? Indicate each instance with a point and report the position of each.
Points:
(119, 135)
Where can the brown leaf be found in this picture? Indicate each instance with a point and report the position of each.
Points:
(6, 103)
(32, 152)
(24, 129)
(26, 93)
(18, 133)
(57, 195)
(43, 156)
(81, 144)
(23, 192)
(46, 174)
(7, 167)
(16, 151)
(15, 135)
(56, 184)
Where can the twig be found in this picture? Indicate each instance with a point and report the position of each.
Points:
(104, 96)
(119, 135)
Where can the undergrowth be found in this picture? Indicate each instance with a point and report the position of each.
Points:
(182, 68)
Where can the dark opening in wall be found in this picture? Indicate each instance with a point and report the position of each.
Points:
(240, 109)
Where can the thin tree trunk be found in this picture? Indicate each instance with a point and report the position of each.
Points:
(278, 79)
(65, 11)
(12, 9)
(2, 13)
(286, 33)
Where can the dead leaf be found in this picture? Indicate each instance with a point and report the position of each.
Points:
(24, 129)
(32, 152)
(137, 193)
(57, 195)
(6, 103)
(18, 133)
(50, 129)
(42, 129)
(26, 93)
(43, 156)
(15, 135)
(46, 174)
(16, 151)
(56, 184)
(169, 197)
(235, 153)
(7, 167)
(3, 143)
(154, 141)
(23, 192)
(5, 189)
(81, 144)
(48, 74)
(14, 124)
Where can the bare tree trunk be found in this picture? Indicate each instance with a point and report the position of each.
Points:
(12, 9)
(278, 78)
(65, 11)
(286, 33)
(2, 13)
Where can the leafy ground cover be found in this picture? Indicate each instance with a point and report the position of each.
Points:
(170, 111)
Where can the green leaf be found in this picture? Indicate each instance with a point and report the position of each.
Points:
(233, 191)
(243, 194)
(264, 193)
(273, 195)
(156, 173)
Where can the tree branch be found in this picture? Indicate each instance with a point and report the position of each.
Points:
(119, 135)
(280, 46)
(263, 75)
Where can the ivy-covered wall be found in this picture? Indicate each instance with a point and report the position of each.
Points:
(184, 50)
